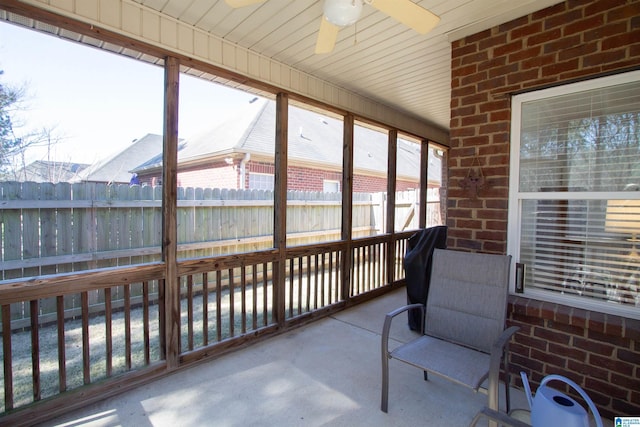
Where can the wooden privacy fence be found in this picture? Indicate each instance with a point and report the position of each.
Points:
(56, 228)
(48, 228)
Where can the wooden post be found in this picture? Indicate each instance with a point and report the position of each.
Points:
(392, 157)
(424, 183)
(169, 211)
(280, 205)
(347, 203)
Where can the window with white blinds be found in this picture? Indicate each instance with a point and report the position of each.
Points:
(574, 212)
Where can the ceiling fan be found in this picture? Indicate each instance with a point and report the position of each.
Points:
(342, 13)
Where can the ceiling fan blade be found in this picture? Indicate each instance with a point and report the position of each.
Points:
(242, 3)
(409, 13)
(327, 36)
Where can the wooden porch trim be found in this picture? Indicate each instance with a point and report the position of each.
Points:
(169, 211)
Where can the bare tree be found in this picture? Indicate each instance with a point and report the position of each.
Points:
(14, 144)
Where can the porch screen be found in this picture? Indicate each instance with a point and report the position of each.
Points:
(575, 199)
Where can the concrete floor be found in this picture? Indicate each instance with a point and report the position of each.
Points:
(323, 374)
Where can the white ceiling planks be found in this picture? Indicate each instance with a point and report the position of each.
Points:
(378, 58)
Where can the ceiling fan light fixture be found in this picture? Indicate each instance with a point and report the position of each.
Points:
(342, 12)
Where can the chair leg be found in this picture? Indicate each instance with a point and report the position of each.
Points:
(507, 393)
(384, 404)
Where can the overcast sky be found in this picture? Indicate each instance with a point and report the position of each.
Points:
(97, 101)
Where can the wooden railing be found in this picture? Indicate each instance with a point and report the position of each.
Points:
(117, 342)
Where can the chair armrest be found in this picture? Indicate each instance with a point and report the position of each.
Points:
(387, 324)
(497, 351)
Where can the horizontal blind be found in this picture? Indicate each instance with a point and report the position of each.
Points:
(584, 141)
(568, 248)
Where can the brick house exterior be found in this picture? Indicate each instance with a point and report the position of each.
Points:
(227, 156)
(570, 41)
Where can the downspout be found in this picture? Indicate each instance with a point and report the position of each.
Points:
(243, 170)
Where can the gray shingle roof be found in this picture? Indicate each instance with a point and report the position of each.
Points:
(313, 139)
(118, 168)
(47, 171)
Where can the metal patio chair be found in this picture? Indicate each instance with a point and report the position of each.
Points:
(464, 338)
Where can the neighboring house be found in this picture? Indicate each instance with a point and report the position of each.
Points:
(117, 169)
(46, 171)
(239, 154)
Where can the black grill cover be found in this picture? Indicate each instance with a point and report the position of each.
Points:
(417, 266)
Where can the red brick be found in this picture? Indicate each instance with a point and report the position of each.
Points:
(474, 58)
(549, 11)
(463, 71)
(523, 76)
(478, 36)
(499, 104)
(620, 40)
(594, 21)
(560, 67)
(632, 329)
(603, 58)
(511, 25)
(561, 44)
(497, 40)
(462, 132)
(503, 71)
(528, 53)
(620, 65)
(625, 381)
(490, 84)
(549, 359)
(463, 91)
(462, 50)
(606, 388)
(545, 37)
(508, 48)
(587, 369)
(497, 116)
(476, 98)
(578, 51)
(552, 336)
(493, 63)
(620, 406)
(603, 349)
(620, 367)
(526, 30)
(614, 325)
(562, 18)
(464, 111)
(602, 6)
(474, 78)
(625, 12)
(605, 31)
(566, 328)
(538, 61)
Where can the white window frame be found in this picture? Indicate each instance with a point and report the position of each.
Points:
(330, 182)
(261, 176)
(516, 197)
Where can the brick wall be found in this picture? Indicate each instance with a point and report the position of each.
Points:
(222, 175)
(600, 352)
(215, 175)
(569, 41)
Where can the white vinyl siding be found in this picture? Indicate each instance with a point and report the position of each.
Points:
(574, 202)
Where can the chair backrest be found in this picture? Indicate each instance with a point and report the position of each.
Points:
(467, 297)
